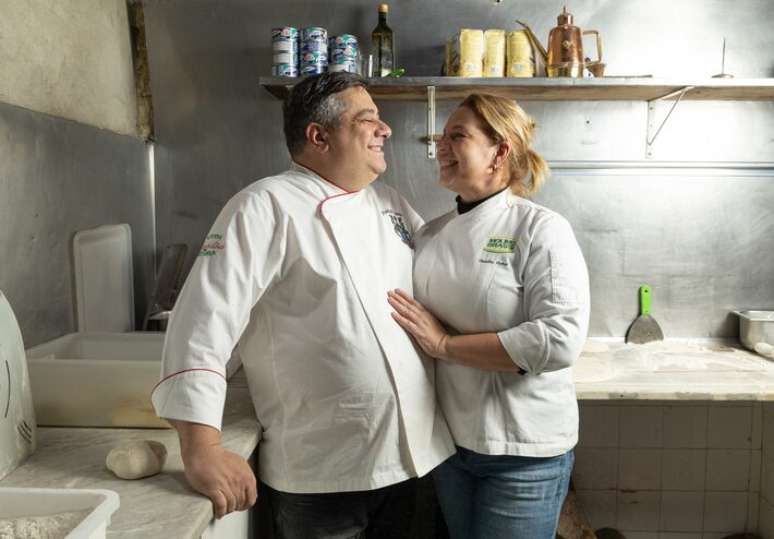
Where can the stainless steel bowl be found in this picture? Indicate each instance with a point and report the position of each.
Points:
(755, 327)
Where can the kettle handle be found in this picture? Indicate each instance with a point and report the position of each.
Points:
(599, 44)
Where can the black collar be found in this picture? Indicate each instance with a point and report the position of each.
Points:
(465, 207)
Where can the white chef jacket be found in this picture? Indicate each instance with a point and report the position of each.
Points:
(512, 267)
(298, 271)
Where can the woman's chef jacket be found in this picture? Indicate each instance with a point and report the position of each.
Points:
(512, 267)
(298, 271)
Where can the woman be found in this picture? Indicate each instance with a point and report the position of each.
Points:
(509, 285)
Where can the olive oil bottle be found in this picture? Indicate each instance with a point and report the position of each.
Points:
(383, 45)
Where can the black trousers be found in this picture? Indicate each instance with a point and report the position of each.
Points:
(384, 513)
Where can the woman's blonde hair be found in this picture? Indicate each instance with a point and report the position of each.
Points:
(505, 121)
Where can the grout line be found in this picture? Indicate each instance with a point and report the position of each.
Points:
(618, 466)
(706, 468)
(662, 416)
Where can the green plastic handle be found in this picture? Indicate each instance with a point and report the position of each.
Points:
(644, 299)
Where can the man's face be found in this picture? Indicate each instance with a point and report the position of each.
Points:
(356, 145)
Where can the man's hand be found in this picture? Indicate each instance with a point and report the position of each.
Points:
(221, 475)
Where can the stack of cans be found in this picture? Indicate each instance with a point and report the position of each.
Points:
(343, 53)
(314, 51)
(284, 44)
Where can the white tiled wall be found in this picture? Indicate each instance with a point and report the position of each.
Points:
(671, 470)
(766, 509)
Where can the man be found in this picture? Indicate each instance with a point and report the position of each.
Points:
(297, 268)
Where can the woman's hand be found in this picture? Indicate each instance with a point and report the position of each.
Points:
(419, 322)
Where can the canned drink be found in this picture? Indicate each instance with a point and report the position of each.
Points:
(344, 47)
(314, 33)
(284, 70)
(284, 39)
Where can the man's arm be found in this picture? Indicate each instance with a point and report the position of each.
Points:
(211, 469)
(240, 257)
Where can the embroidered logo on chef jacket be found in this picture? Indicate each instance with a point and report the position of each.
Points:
(500, 244)
(497, 249)
(212, 245)
(399, 226)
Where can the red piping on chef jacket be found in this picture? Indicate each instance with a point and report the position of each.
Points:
(326, 199)
(181, 372)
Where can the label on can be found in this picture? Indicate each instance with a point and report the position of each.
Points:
(345, 52)
(314, 33)
(284, 70)
(284, 33)
(290, 46)
(312, 69)
(348, 67)
(285, 57)
(314, 57)
(314, 46)
(344, 40)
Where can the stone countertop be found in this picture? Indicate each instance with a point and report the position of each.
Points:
(674, 369)
(149, 507)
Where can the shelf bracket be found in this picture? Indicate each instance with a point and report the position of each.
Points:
(650, 136)
(430, 122)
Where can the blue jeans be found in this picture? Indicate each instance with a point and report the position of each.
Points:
(502, 496)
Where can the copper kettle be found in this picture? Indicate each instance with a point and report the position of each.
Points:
(565, 48)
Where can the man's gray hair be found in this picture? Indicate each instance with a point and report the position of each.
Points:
(315, 99)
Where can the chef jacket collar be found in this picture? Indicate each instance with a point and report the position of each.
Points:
(501, 198)
(465, 207)
(329, 187)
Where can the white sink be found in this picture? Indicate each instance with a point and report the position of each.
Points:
(78, 513)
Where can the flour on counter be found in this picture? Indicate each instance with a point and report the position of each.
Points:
(55, 526)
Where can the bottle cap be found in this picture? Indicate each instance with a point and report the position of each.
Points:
(384, 8)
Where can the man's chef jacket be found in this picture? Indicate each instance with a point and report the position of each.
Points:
(297, 270)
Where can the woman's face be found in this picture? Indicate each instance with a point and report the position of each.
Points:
(467, 157)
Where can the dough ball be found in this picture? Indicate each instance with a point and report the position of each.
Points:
(135, 460)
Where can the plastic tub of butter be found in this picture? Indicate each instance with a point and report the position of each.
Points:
(756, 327)
(56, 512)
(96, 380)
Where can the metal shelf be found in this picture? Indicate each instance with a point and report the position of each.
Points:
(431, 89)
(554, 89)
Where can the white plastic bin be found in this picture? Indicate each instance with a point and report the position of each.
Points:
(16, 503)
(96, 380)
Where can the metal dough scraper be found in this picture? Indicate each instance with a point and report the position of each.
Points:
(644, 328)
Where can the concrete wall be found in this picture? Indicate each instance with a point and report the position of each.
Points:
(69, 59)
(699, 234)
(58, 177)
(69, 157)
